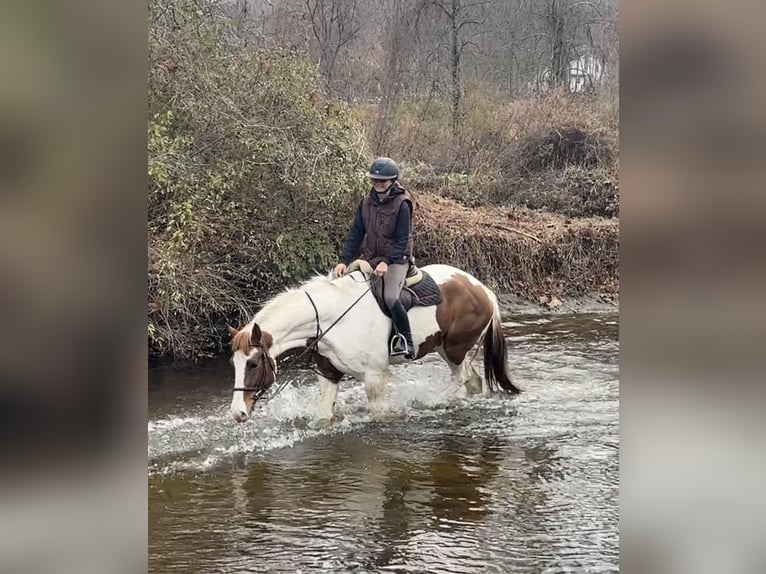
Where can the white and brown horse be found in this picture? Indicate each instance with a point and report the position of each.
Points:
(358, 344)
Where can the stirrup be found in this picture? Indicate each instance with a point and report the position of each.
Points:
(398, 345)
(402, 349)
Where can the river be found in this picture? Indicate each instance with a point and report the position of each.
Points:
(447, 484)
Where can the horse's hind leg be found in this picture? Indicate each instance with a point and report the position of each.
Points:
(470, 379)
(375, 385)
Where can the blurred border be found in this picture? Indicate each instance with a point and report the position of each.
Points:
(692, 324)
(72, 286)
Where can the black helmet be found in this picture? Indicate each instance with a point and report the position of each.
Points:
(384, 168)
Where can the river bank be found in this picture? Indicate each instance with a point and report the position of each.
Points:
(537, 262)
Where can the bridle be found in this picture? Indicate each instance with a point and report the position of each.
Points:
(312, 345)
(261, 389)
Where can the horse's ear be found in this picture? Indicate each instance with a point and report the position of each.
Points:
(232, 330)
(255, 337)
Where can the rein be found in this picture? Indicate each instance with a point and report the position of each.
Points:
(313, 345)
(310, 347)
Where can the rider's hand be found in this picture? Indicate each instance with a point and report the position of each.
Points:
(340, 270)
(381, 269)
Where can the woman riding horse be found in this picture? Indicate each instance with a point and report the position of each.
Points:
(347, 333)
(382, 235)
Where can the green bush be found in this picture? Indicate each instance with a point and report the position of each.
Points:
(248, 162)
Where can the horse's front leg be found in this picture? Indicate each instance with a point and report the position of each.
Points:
(328, 392)
(375, 385)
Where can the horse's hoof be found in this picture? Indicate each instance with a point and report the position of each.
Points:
(320, 424)
(380, 415)
(473, 386)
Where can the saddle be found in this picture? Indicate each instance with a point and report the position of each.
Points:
(420, 289)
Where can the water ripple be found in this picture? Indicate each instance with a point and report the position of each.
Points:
(448, 484)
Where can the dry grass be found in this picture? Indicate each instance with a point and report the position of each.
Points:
(527, 253)
(558, 153)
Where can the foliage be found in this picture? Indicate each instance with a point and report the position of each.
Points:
(248, 162)
(558, 153)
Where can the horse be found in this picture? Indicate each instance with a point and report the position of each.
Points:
(357, 344)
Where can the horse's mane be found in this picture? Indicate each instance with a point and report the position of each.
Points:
(291, 295)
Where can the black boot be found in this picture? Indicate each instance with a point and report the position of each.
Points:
(402, 327)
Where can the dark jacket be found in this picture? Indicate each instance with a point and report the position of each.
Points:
(382, 230)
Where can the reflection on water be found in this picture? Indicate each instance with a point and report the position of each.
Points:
(453, 485)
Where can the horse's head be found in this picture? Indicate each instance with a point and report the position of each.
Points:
(254, 369)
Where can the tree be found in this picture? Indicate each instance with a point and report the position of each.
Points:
(334, 24)
(459, 14)
(396, 41)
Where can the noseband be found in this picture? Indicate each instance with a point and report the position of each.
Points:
(261, 388)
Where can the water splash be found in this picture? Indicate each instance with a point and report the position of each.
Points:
(202, 442)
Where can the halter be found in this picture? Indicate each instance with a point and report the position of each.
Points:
(310, 347)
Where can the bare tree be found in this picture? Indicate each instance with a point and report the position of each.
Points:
(396, 41)
(281, 24)
(386, 51)
(334, 24)
(567, 34)
(459, 14)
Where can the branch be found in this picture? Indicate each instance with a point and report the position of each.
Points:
(581, 4)
(464, 44)
(512, 230)
(536, 35)
(419, 12)
(470, 22)
(438, 5)
(312, 14)
(484, 2)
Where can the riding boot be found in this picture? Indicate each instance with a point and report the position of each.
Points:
(402, 325)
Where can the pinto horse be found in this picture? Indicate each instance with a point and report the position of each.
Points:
(357, 344)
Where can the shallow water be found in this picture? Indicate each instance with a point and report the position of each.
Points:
(448, 484)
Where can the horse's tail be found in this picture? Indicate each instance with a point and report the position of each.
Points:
(495, 359)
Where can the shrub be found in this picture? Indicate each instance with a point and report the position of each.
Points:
(248, 161)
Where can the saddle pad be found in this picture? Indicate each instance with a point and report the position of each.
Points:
(423, 294)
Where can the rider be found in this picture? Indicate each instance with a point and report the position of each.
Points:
(382, 235)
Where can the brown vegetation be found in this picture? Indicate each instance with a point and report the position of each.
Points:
(531, 254)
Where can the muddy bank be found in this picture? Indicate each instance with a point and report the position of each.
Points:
(512, 305)
(539, 260)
